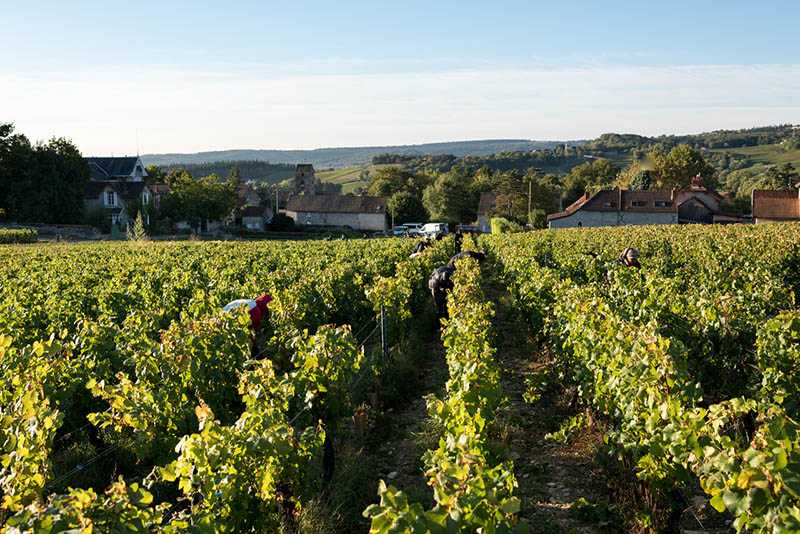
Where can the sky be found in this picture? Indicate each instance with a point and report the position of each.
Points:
(172, 76)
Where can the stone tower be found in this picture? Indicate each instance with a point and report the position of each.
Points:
(304, 180)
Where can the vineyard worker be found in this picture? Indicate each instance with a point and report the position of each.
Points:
(458, 238)
(478, 256)
(439, 283)
(258, 310)
(421, 245)
(629, 258)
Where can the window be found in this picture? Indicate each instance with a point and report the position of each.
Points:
(138, 170)
(638, 203)
(610, 204)
(663, 203)
(111, 198)
(145, 199)
(114, 218)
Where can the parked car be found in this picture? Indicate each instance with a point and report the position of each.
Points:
(468, 229)
(398, 230)
(431, 229)
(413, 228)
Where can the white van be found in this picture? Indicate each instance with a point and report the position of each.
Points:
(413, 228)
(431, 229)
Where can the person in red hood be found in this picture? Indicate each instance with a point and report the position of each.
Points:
(258, 310)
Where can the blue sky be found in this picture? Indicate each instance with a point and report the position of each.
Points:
(192, 76)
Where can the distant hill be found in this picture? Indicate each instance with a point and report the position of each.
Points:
(348, 157)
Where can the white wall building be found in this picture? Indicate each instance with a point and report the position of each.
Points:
(359, 213)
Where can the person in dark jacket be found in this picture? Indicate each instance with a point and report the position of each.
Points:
(479, 256)
(458, 238)
(439, 283)
(422, 245)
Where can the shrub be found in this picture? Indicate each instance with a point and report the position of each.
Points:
(18, 236)
(281, 223)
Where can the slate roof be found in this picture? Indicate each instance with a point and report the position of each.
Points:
(776, 204)
(620, 200)
(337, 204)
(109, 168)
(304, 167)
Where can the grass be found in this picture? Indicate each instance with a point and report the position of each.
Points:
(763, 154)
(334, 176)
(350, 179)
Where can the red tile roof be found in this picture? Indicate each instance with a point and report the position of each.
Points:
(159, 189)
(776, 204)
(697, 186)
(620, 200)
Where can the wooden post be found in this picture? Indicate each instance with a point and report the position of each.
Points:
(384, 341)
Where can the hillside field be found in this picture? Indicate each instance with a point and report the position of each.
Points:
(763, 155)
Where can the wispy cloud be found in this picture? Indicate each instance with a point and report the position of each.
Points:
(261, 106)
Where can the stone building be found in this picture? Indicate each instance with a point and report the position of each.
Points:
(692, 204)
(775, 206)
(359, 213)
(304, 180)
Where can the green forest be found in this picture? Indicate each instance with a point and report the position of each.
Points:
(255, 170)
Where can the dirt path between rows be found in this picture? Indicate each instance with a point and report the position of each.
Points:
(400, 456)
(552, 478)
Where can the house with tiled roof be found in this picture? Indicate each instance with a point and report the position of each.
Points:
(692, 204)
(357, 212)
(113, 182)
(776, 206)
(617, 207)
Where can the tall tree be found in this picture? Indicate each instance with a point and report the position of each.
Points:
(592, 174)
(449, 198)
(641, 180)
(387, 181)
(155, 174)
(235, 177)
(406, 207)
(512, 195)
(15, 155)
(679, 167)
(198, 201)
(42, 183)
